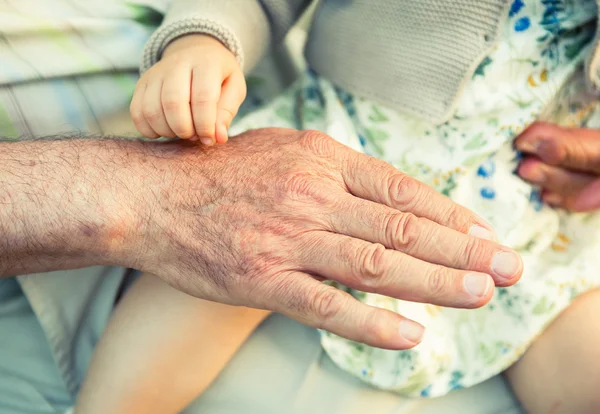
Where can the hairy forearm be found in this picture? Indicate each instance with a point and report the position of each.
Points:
(66, 203)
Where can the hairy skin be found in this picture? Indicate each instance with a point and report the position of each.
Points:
(257, 222)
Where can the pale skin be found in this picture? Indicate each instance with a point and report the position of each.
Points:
(200, 103)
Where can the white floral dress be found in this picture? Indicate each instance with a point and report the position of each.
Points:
(535, 73)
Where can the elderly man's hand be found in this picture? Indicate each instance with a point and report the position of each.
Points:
(260, 222)
(565, 162)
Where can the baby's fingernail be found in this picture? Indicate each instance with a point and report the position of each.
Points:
(533, 175)
(207, 141)
(506, 264)
(223, 133)
(528, 146)
(477, 284)
(482, 233)
(411, 330)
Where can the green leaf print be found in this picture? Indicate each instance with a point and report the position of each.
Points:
(493, 122)
(450, 185)
(416, 382)
(476, 142)
(542, 307)
(521, 103)
(375, 137)
(310, 114)
(473, 160)
(377, 115)
(374, 134)
(490, 353)
(286, 113)
(480, 71)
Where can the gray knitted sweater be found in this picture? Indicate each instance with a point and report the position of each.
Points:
(413, 56)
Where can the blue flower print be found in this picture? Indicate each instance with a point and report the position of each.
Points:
(535, 198)
(488, 193)
(426, 391)
(487, 169)
(522, 24)
(515, 7)
(455, 380)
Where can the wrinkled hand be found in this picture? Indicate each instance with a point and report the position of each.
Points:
(261, 221)
(565, 162)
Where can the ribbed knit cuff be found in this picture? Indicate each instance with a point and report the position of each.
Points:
(192, 25)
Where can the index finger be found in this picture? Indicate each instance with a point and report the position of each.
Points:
(206, 90)
(375, 180)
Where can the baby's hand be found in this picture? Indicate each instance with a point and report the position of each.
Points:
(565, 162)
(193, 92)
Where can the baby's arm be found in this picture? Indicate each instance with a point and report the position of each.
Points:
(161, 350)
(193, 83)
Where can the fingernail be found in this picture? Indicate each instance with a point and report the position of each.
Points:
(223, 132)
(482, 233)
(552, 199)
(411, 330)
(534, 175)
(207, 141)
(477, 284)
(528, 146)
(506, 264)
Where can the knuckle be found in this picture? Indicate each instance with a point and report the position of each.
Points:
(371, 260)
(200, 101)
(136, 116)
(402, 189)
(152, 115)
(404, 229)
(298, 185)
(471, 254)
(317, 142)
(227, 115)
(327, 304)
(437, 283)
(172, 104)
(373, 329)
(456, 217)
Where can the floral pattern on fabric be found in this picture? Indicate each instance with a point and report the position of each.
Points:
(534, 73)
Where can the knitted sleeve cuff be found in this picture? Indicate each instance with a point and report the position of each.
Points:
(191, 25)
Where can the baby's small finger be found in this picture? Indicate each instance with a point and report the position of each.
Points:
(137, 116)
(206, 89)
(153, 111)
(176, 102)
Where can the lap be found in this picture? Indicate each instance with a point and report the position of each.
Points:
(282, 368)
